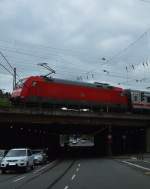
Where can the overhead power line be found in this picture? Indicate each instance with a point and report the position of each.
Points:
(115, 56)
(6, 69)
(6, 60)
(129, 46)
(146, 1)
(11, 70)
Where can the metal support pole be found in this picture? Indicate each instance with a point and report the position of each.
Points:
(14, 79)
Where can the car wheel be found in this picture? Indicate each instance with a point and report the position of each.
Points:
(32, 167)
(42, 162)
(26, 168)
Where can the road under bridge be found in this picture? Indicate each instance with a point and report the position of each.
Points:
(115, 133)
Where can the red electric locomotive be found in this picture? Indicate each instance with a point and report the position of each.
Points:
(50, 91)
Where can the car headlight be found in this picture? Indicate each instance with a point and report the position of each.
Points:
(23, 160)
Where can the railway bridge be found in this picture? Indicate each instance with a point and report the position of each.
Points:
(123, 132)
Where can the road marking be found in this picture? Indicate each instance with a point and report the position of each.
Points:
(77, 169)
(66, 187)
(49, 164)
(40, 169)
(135, 165)
(73, 177)
(79, 165)
(16, 180)
(147, 173)
(146, 161)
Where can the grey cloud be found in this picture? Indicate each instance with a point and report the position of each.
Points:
(94, 28)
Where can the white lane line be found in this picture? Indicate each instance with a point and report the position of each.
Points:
(73, 177)
(79, 165)
(77, 169)
(48, 165)
(16, 180)
(66, 187)
(135, 165)
(38, 170)
(146, 161)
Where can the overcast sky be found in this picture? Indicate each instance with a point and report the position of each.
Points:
(74, 37)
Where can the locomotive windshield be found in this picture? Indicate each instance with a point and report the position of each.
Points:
(20, 83)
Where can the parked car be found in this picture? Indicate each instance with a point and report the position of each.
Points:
(19, 158)
(83, 140)
(2, 154)
(74, 141)
(40, 156)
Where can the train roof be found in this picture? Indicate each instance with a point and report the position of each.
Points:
(69, 82)
(136, 90)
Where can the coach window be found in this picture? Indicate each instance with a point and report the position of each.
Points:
(148, 99)
(135, 98)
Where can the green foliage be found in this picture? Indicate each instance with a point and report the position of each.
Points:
(4, 102)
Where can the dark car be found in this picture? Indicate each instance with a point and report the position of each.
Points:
(40, 156)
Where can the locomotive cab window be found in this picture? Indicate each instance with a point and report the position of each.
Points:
(20, 83)
(135, 98)
(34, 83)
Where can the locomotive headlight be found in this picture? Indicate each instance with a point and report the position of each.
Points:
(85, 110)
(64, 108)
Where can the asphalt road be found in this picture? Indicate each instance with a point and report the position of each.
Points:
(79, 174)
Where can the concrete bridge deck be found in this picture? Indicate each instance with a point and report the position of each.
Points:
(72, 117)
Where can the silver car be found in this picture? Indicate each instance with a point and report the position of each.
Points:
(19, 158)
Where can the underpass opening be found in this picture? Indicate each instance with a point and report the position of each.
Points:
(102, 140)
(77, 145)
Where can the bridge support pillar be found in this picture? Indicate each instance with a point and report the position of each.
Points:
(52, 144)
(148, 140)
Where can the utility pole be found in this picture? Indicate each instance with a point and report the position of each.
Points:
(14, 79)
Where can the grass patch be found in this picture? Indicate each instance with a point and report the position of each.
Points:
(4, 103)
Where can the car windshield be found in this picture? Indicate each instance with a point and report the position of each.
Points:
(37, 151)
(16, 153)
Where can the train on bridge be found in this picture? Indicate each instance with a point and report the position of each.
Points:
(52, 92)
